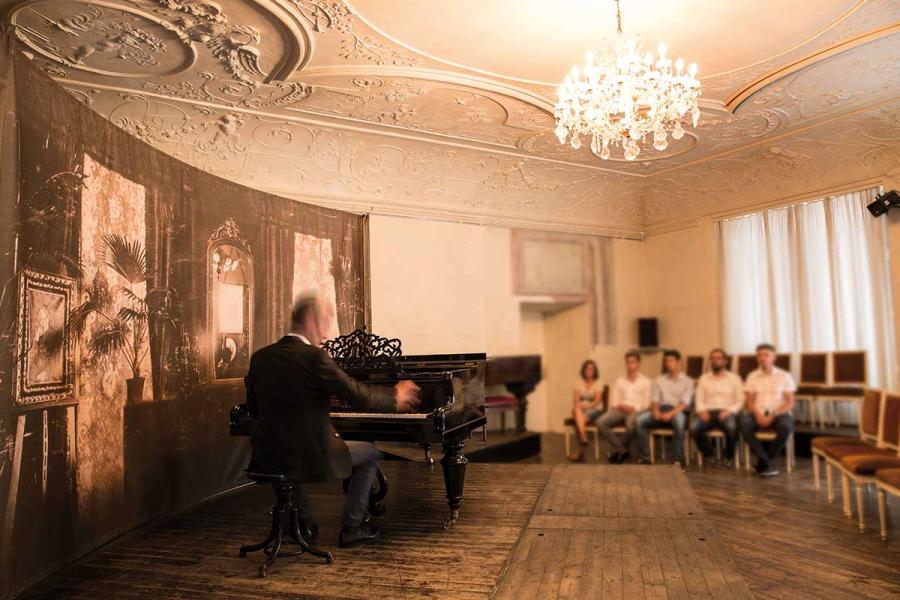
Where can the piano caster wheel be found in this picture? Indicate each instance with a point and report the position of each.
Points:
(263, 571)
(449, 521)
(429, 460)
(329, 559)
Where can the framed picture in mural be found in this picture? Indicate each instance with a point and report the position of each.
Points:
(44, 365)
(230, 303)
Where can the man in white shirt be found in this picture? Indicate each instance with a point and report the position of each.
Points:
(672, 394)
(629, 399)
(717, 404)
(770, 399)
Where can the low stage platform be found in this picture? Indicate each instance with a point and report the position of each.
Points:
(528, 531)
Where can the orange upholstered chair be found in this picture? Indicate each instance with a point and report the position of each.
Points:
(887, 482)
(859, 464)
(868, 434)
(814, 377)
(848, 382)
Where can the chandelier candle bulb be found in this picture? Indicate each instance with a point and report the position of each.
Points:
(623, 96)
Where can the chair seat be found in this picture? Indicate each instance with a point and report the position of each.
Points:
(501, 402)
(824, 441)
(661, 430)
(839, 452)
(889, 476)
(269, 477)
(867, 464)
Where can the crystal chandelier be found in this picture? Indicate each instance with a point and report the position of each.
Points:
(623, 96)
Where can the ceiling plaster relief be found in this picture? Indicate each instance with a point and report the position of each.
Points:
(366, 123)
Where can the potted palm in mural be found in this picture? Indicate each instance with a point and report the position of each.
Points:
(125, 332)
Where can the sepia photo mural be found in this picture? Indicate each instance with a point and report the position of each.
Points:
(134, 290)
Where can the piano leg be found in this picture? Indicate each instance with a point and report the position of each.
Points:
(454, 464)
(427, 449)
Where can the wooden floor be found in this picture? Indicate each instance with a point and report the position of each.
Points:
(527, 531)
(620, 532)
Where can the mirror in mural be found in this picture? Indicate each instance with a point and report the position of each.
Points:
(230, 267)
(44, 358)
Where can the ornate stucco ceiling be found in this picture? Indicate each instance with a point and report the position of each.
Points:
(445, 109)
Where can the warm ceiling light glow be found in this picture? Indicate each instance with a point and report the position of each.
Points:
(621, 96)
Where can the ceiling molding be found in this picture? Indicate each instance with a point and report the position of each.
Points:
(378, 206)
(734, 102)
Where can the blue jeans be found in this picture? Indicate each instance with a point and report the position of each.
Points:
(646, 422)
(727, 426)
(364, 461)
(783, 425)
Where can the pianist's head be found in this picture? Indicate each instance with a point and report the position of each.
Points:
(310, 317)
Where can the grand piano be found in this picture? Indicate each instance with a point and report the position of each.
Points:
(452, 403)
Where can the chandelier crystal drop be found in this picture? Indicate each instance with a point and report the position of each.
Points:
(623, 96)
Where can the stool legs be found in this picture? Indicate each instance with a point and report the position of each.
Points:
(882, 513)
(285, 530)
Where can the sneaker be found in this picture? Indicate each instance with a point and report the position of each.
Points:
(359, 535)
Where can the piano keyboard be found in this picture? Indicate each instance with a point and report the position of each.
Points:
(369, 415)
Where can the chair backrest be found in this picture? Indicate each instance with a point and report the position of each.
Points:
(693, 366)
(813, 368)
(783, 361)
(746, 364)
(870, 416)
(848, 368)
(890, 422)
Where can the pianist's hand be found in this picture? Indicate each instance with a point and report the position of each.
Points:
(407, 395)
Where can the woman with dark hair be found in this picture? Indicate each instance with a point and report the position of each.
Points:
(586, 405)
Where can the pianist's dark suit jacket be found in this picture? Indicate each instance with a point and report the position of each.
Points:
(290, 385)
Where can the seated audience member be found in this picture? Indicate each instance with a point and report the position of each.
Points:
(629, 398)
(770, 399)
(586, 405)
(717, 405)
(672, 393)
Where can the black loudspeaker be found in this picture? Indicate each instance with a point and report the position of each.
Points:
(648, 333)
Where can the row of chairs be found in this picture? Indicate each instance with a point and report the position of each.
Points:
(741, 454)
(825, 380)
(872, 458)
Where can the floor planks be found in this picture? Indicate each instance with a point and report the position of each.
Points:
(626, 531)
(546, 530)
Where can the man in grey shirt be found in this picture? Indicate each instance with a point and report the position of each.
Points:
(672, 394)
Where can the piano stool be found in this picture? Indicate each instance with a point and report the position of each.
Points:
(502, 404)
(285, 524)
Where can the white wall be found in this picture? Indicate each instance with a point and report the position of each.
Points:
(443, 287)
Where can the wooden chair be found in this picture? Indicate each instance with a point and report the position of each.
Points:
(813, 378)
(784, 361)
(766, 435)
(869, 423)
(719, 438)
(887, 481)
(693, 366)
(590, 430)
(848, 383)
(745, 364)
(859, 464)
(668, 432)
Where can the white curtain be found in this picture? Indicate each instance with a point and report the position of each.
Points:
(812, 277)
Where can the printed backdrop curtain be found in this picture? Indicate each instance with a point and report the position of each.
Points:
(811, 277)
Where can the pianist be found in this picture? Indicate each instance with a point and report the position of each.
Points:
(291, 383)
